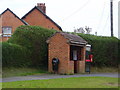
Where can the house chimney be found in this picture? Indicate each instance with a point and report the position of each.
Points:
(42, 7)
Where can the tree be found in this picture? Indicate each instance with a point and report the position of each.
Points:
(88, 30)
(79, 30)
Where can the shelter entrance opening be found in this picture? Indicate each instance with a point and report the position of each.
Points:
(75, 55)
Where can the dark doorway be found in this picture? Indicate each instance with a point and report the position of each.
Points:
(75, 66)
(75, 55)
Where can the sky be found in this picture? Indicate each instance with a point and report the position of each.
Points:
(72, 14)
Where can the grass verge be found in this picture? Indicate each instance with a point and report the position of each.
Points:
(10, 72)
(104, 70)
(75, 82)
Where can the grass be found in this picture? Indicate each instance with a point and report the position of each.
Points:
(0, 86)
(10, 72)
(75, 82)
(104, 70)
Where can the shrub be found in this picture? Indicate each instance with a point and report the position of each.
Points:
(104, 49)
(34, 39)
(14, 55)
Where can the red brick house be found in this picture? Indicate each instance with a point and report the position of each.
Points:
(9, 22)
(37, 16)
(70, 50)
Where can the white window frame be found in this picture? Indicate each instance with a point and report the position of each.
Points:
(7, 28)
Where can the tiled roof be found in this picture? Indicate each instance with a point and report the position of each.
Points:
(72, 39)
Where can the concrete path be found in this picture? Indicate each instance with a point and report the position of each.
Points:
(52, 76)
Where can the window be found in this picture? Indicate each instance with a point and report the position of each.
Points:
(75, 56)
(75, 53)
(6, 31)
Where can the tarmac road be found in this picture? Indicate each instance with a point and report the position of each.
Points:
(52, 76)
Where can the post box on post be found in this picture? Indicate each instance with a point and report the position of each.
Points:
(89, 58)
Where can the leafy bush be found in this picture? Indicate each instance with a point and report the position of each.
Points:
(104, 49)
(14, 55)
(34, 39)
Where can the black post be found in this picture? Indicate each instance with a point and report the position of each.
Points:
(111, 16)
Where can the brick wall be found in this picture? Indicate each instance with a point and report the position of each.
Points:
(58, 48)
(8, 19)
(36, 18)
(82, 62)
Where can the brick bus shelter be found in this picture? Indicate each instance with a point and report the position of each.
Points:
(70, 50)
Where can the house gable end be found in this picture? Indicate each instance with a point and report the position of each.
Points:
(14, 15)
(43, 15)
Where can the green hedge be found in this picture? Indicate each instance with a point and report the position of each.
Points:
(104, 49)
(14, 55)
(28, 44)
(34, 39)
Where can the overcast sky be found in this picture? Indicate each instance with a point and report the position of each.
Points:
(70, 14)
